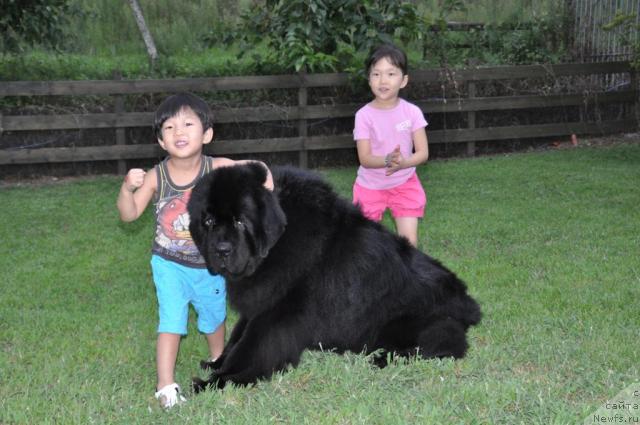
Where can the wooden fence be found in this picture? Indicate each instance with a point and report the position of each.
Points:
(464, 103)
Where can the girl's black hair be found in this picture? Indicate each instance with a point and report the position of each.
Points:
(174, 103)
(395, 55)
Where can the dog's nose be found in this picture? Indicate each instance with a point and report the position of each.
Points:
(223, 249)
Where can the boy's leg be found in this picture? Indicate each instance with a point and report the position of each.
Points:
(166, 355)
(215, 341)
(210, 303)
(408, 227)
(173, 311)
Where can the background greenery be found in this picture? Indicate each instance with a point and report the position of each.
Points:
(88, 39)
(548, 242)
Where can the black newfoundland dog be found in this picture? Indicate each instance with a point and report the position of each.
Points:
(306, 270)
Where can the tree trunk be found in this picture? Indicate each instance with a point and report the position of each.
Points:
(144, 30)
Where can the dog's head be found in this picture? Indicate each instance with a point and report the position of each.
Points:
(235, 220)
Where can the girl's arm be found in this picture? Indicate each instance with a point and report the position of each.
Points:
(419, 156)
(135, 193)
(366, 158)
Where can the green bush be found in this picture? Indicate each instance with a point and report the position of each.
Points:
(34, 22)
(321, 35)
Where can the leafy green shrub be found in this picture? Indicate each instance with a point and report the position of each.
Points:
(510, 41)
(321, 35)
(34, 22)
(517, 43)
(439, 43)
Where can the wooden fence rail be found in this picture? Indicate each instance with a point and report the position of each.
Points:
(467, 102)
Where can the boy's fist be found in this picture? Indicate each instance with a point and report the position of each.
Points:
(134, 179)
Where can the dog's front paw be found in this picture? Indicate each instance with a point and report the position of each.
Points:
(198, 385)
(382, 358)
(214, 382)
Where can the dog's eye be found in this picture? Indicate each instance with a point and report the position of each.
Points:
(238, 224)
(209, 221)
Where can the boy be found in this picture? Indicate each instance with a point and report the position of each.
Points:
(183, 124)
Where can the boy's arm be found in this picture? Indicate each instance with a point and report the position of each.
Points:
(135, 194)
(225, 162)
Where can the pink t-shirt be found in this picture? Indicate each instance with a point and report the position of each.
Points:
(385, 129)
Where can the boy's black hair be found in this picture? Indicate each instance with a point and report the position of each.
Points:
(395, 55)
(174, 103)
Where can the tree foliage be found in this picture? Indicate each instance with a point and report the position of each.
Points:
(32, 22)
(320, 35)
(628, 30)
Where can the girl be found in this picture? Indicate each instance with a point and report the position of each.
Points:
(391, 142)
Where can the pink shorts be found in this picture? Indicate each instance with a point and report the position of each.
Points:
(406, 200)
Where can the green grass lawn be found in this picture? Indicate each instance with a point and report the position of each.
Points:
(548, 242)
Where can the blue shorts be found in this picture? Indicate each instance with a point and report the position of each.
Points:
(177, 286)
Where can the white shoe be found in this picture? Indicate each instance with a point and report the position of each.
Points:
(169, 396)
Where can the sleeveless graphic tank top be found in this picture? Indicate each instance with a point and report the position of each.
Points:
(172, 239)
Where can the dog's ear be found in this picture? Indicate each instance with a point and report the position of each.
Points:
(274, 222)
(196, 207)
(273, 217)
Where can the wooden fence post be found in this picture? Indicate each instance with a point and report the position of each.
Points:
(120, 131)
(471, 146)
(303, 130)
(633, 80)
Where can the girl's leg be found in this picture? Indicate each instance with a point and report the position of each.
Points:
(216, 341)
(166, 355)
(408, 227)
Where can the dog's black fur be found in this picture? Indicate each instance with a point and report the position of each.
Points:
(306, 270)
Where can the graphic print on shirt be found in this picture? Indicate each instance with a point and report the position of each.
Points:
(403, 126)
(173, 225)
